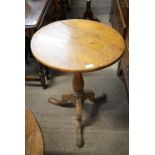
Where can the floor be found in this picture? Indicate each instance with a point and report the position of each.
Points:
(106, 123)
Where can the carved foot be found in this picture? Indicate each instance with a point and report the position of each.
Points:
(66, 101)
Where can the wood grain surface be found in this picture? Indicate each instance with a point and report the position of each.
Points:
(33, 136)
(77, 45)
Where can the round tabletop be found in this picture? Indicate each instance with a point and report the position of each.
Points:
(77, 45)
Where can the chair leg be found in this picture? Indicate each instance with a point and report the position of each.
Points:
(26, 57)
(27, 50)
(42, 77)
(47, 73)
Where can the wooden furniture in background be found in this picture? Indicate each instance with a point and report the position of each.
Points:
(123, 68)
(88, 14)
(60, 8)
(33, 135)
(119, 18)
(35, 11)
(77, 46)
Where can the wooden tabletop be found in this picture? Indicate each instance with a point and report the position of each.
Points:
(34, 12)
(33, 136)
(77, 45)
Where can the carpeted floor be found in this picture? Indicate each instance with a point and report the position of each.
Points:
(105, 124)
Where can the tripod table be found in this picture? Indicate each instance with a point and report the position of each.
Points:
(77, 46)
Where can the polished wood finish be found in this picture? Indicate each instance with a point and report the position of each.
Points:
(33, 136)
(77, 45)
(34, 12)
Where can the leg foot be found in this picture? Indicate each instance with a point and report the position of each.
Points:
(90, 95)
(101, 99)
(79, 140)
(64, 101)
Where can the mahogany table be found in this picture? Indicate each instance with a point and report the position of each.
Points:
(77, 46)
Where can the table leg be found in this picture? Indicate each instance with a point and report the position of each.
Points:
(79, 135)
(78, 85)
(77, 99)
